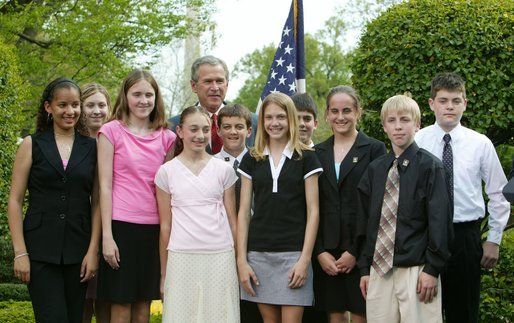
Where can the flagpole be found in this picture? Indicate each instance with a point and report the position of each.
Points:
(287, 72)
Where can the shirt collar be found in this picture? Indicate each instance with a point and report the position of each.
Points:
(455, 133)
(406, 157)
(228, 157)
(217, 111)
(288, 152)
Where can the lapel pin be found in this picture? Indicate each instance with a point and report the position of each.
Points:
(227, 159)
(355, 160)
(405, 162)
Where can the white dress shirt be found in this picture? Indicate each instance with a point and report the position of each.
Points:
(474, 160)
(223, 155)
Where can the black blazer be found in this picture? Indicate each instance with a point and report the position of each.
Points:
(57, 225)
(338, 199)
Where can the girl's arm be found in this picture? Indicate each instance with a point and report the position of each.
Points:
(164, 206)
(229, 200)
(105, 170)
(246, 273)
(90, 262)
(298, 274)
(20, 177)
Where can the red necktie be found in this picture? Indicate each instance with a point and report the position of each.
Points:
(216, 141)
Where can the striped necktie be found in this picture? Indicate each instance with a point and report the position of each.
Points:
(384, 247)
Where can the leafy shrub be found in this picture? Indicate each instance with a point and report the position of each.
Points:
(408, 44)
(497, 295)
(11, 93)
(16, 312)
(15, 292)
(6, 259)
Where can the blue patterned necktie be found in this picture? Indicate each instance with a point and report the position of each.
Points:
(448, 162)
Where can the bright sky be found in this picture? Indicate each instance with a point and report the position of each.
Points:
(247, 25)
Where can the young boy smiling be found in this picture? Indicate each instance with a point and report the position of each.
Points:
(405, 205)
(307, 116)
(234, 127)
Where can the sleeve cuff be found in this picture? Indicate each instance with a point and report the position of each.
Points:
(494, 236)
(429, 269)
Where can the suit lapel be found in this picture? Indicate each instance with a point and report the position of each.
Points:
(326, 157)
(49, 149)
(354, 156)
(80, 150)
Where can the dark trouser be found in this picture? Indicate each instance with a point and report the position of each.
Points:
(56, 292)
(250, 312)
(461, 280)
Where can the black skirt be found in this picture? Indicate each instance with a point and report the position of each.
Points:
(138, 277)
(338, 293)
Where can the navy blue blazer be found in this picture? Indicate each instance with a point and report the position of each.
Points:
(57, 224)
(338, 198)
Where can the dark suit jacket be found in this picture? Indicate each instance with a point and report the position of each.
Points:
(338, 199)
(175, 120)
(57, 225)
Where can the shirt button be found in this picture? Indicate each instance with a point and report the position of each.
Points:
(62, 216)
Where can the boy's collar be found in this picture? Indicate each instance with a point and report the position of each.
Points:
(406, 157)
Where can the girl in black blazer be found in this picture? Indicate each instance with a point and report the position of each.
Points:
(56, 243)
(344, 157)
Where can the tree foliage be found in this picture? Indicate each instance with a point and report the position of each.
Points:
(92, 40)
(326, 65)
(407, 45)
(11, 94)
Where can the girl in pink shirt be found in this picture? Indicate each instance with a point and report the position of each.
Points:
(196, 198)
(131, 147)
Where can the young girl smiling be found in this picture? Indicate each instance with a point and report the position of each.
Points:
(196, 198)
(275, 244)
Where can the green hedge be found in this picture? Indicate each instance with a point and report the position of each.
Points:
(497, 295)
(6, 259)
(16, 312)
(16, 292)
(408, 44)
(12, 92)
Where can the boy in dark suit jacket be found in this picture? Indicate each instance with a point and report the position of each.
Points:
(404, 197)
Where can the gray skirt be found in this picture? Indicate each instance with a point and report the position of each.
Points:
(272, 269)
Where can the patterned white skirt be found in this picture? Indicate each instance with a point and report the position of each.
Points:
(201, 288)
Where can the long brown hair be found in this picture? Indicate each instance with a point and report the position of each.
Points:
(179, 144)
(121, 109)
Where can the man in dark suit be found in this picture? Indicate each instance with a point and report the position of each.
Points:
(209, 80)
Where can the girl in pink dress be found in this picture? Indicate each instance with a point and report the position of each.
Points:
(131, 148)
(196, 199)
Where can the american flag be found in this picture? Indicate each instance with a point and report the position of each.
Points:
(287, 72)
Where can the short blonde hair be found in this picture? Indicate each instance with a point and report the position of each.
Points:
(402, 104)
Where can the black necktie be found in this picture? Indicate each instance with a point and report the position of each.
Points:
(448, 162)
(238, 184)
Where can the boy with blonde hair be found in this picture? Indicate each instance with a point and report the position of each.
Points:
(404, 202)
